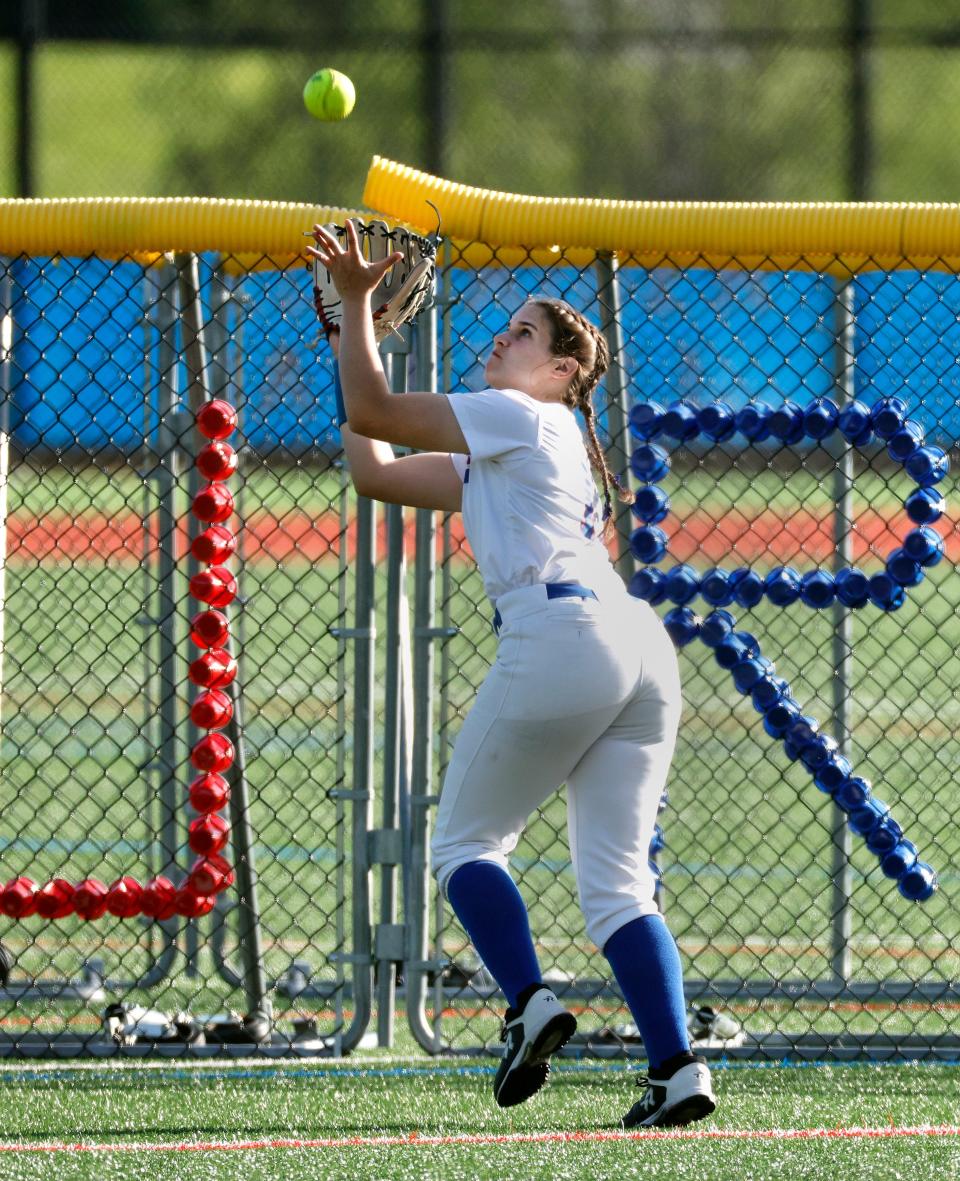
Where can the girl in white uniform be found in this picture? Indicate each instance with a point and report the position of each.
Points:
(584, 690)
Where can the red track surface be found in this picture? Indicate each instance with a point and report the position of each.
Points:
(731, 539)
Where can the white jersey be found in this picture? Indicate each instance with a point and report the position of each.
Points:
(530, 505)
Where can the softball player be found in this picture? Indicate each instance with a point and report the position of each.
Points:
(584, 690)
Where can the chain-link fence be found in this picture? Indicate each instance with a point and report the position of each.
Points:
(780, 422)
(363, 633)
(105, 368)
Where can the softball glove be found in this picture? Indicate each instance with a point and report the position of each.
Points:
(402, 291)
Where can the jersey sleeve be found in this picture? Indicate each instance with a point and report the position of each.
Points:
(496, 422)
(461, 465)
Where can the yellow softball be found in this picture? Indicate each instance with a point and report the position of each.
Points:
(329, 95)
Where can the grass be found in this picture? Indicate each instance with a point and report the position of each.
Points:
(407, 1103)
(281, 491)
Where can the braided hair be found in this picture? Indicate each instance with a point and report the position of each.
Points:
(574, 336)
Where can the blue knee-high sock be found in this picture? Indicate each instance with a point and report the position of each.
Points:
(646, 963)
(492, 912)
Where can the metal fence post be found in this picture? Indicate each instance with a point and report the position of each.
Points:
(158, 321)
(611, 322)
(842, 642)
(255, 981)
(386, 842)
(6, 366)
(342, 930)
(433, 1037)
(171, 635)
(220, 384)
(363, 634)
(417, 909)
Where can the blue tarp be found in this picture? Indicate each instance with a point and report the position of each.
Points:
(86, 367)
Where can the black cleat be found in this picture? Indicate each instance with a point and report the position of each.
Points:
(531, 1034)
(675, 1095)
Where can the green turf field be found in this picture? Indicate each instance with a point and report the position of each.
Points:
(91, 489)
(385, 1119)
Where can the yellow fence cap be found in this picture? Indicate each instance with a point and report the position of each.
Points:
(824, 235)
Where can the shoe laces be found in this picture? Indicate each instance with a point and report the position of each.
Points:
(646, 1102)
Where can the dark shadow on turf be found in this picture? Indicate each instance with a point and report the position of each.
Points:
(263, 1131)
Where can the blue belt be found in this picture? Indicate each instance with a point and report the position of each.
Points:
(555, 590)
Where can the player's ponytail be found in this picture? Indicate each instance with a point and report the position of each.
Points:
(574, 336)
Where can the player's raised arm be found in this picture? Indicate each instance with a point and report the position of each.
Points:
(420, 481)
(421, 420)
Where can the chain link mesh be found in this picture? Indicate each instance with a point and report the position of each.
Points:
(785, 921)
(783, 917)
(96, 726)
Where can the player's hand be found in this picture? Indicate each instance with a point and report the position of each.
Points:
(353, 276)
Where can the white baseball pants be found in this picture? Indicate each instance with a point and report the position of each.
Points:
(582, 692)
